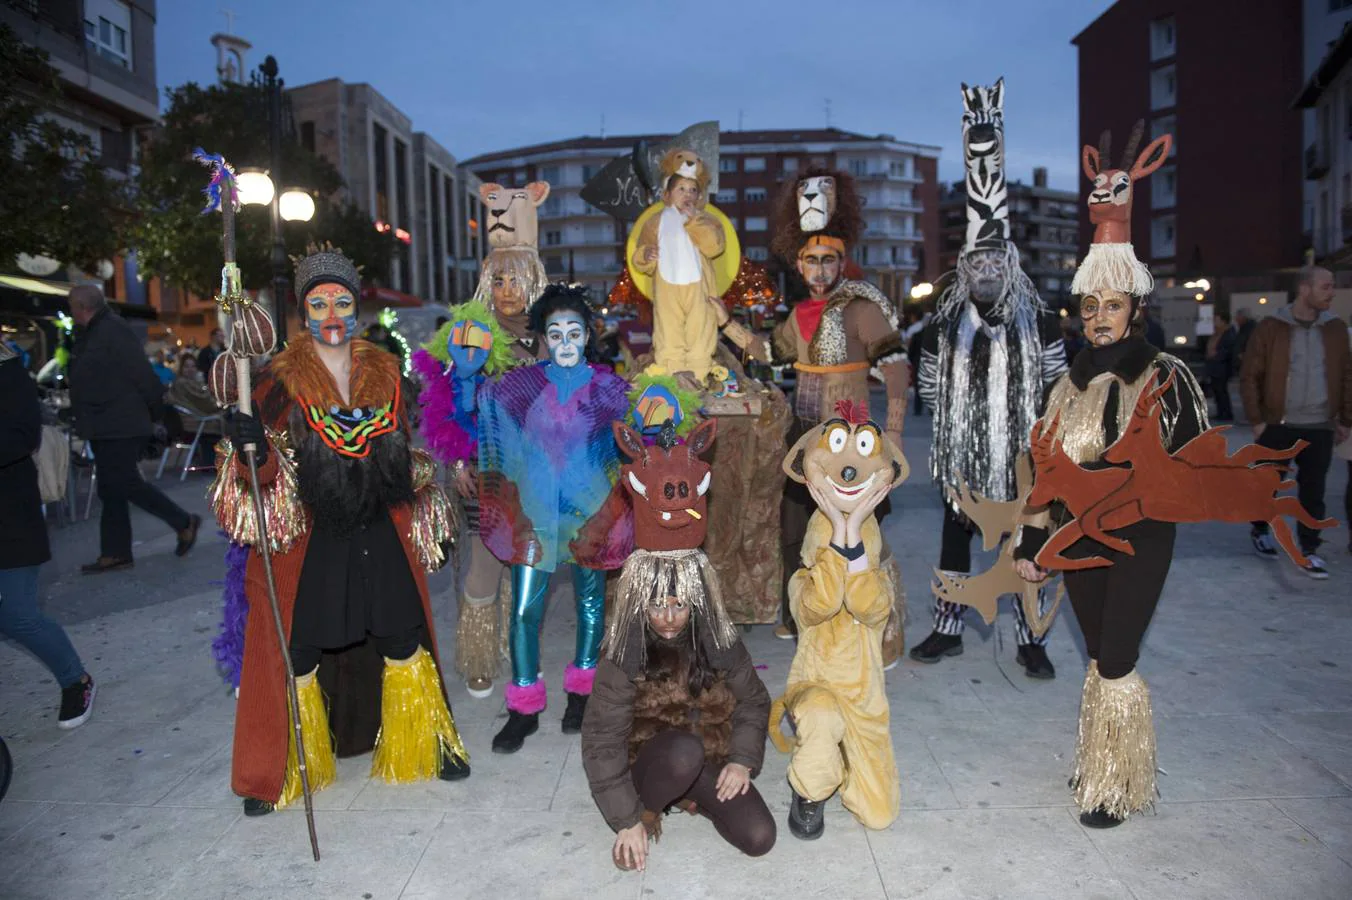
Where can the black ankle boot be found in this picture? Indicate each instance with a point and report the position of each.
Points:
(572, 716)
(453, 768)
(1100, 818)
(256, 807)
(936, 647)
(807, 819)
(1033, 658)
(513, 735)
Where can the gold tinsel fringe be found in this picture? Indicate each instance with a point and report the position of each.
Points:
(232, 501)
(434, 523)
(416, 726)
(1115, 759)
(1088, 709)
(477, 650)
(894, 634)
(321, 766)
(649, 575)
(505, 614)
(424, 468)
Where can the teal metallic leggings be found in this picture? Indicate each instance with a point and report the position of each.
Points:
(529, 589)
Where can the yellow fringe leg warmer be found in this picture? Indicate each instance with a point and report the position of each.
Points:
(894, 634)
(416, 727)
(1115, 756)
(478, 653)
(505, 613)
(321, 765)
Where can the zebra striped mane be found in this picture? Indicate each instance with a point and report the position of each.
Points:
(983, 150)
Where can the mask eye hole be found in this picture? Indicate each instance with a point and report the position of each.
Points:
(837, 439)
(865, 442)
(683, 489)
(669, 490)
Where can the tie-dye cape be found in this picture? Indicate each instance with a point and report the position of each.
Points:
(548, 471)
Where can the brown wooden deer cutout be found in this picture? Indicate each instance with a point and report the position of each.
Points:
(1198, 483)
(996, 520)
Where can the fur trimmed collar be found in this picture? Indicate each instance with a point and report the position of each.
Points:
(374, 378)
(1127, 359)
(828, 344)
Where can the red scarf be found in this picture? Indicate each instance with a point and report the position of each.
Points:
(809, 315)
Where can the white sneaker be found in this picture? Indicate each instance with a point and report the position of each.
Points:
(1315, 567)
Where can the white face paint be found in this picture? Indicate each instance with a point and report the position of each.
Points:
(816, 197)
(566, 338)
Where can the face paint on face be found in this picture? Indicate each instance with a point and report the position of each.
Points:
(332, 313)
(1106, 316)
(566, 338)
(985, 271)
(469, 344)
(668, 617)
(820, 268)
(509, 295)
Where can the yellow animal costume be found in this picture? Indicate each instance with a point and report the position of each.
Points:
(835, 692)
(685, 324)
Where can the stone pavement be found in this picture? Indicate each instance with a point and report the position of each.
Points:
(1247, 660)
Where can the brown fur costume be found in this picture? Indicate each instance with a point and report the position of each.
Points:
(664, 702)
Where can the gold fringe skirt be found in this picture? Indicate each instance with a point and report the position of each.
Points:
(321, 765)
(416, 726)
(1115, 752)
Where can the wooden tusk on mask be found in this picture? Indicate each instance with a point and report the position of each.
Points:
(695, 514)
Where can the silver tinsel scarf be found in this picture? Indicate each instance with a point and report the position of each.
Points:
(982, 419)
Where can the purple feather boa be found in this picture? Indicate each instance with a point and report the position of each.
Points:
(228, 647)
(447, 441)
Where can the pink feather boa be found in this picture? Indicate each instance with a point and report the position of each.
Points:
(446, 440)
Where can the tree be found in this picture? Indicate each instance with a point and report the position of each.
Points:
(176, 242)
(56, 199)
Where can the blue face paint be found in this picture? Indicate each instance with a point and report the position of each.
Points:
(566, 338)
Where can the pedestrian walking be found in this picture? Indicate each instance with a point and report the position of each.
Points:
(1220, 361)
(1297, 386)
(24, 547)
(117, 399)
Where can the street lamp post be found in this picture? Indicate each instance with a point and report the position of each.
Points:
(279, 280)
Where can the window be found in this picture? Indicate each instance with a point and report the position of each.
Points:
(1162, 39)
(858, 167)
(727, 164)
(1164, 188)
(754, 164)
(307, 136)
(897, 168)
(1167, 125)
(1162, 237)
(107, 28)
(380, 162)
(755, 195)
(1163, 88)
(726, 195)
(553, 238)
(552, 206)
(756, 223)
(587, 173)
(1339, 5)
(757, 254)
(550, 174)
(790, 163)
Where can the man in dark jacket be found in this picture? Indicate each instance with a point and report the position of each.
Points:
(23, 543)
(1220, 365)
(116, 398)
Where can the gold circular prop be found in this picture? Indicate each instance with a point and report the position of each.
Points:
(725, 266)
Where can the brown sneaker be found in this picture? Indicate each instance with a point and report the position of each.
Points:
(106, 564)
(784, 633)
(188, 536)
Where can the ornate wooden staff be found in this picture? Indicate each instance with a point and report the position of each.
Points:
(252, 334)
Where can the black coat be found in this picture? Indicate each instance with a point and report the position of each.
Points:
(114, 392)
(23, 533)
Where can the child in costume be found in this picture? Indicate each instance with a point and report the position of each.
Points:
(678, 714)
(356, 517)
(841, 599)
(547, 469)
(453, 366)
(677, 247)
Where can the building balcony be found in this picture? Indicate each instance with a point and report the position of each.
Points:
(1316, 161)
(883, 175)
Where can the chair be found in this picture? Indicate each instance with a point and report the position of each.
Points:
(80, 461)
(178, 446)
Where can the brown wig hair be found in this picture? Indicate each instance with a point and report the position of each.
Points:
(845, 223)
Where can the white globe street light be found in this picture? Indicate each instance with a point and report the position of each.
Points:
(255, 187)
(296, 205)
(922, 290)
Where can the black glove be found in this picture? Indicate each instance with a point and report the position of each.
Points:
(1030, 543)
(245, 429)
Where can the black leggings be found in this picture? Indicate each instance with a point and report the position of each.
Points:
(1115, 604)
(671, 767)
(400, 646)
